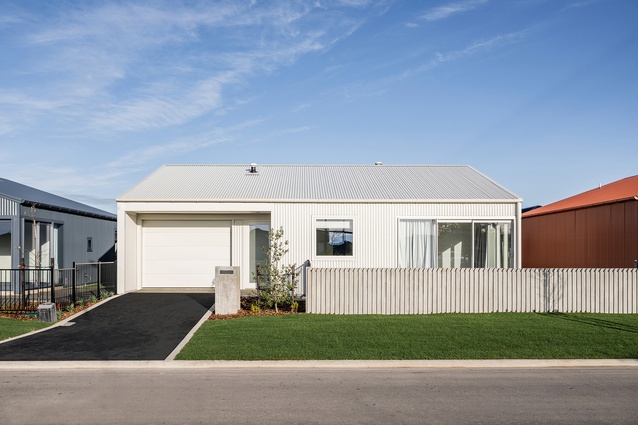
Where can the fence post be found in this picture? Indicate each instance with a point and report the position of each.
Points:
(304, 276)
(73, 281)
(51, 265)
(99, 279)
(23, 283)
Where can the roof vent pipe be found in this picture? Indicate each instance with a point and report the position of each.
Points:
(253, 168)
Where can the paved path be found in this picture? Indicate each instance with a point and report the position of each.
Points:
(135, 326)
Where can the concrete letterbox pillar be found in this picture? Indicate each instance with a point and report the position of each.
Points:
(47, 313)
(227, 292)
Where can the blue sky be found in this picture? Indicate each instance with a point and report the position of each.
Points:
(539, 95)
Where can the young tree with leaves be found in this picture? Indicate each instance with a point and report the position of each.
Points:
(276, 280)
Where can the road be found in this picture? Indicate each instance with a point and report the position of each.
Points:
(320, 396)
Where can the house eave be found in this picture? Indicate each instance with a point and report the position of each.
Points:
(56, 208)
(325, 201)
(579, 207)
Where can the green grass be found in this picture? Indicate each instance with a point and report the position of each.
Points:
(13, 327)
(437, 336)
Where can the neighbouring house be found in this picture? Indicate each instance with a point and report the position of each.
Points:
(38, 228)
(597, 228)
(181, 221)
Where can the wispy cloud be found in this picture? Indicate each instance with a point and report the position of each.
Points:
(474, 48)
(171, 106)
(443, 12)
(177, 147)
(134, 67)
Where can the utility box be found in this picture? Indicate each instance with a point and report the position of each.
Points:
(47, 313)
(227, 291)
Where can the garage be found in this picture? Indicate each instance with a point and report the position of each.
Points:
(183, 253)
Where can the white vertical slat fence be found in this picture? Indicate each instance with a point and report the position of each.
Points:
(427, 291)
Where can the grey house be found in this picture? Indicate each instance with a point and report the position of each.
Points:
(37, 228)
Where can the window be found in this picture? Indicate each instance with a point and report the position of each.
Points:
(258, 244)
(492, 244)
(89, 244)
(334, 237)
(416, 243)
(455, 245)
(40, 243)
(5, 244)
(426, 243)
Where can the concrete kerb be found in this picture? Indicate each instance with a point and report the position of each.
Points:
(190, 334)
(320, 364)
(63, 322)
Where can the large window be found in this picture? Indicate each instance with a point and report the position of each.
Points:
(417, 243)
(334, 237)
(41, 243)
(431, 243)
(492, 244)
(455, 245)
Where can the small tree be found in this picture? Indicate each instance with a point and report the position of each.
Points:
(275, 279)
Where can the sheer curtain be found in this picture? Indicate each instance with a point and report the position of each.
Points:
(492, 245)
(416, 243)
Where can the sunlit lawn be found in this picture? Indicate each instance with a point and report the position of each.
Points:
(437, 336)
(13, 327)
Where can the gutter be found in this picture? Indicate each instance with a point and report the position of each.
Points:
(327, 201)
(73, 211)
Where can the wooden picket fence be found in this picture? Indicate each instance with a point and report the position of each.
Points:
(427, 291)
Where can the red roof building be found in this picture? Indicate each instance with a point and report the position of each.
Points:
(597, 228)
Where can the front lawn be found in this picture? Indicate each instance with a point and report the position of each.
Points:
(436, 336)
(10, 327)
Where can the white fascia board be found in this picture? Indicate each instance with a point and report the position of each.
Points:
(320, 201)
(196, 207)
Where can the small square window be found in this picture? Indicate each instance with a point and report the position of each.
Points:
(334, 237)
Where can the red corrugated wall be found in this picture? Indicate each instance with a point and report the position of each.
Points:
(597, 236)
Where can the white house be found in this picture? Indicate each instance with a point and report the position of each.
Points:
(181, 221)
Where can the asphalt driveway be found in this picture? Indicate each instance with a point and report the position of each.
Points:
(134, 326)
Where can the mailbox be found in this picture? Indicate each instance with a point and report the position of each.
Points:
(227, 290)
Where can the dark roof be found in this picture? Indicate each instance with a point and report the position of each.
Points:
(27, 195)
(621, 190)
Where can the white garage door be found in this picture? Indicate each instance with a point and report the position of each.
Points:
(183, 253)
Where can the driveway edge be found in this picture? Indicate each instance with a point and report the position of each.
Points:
(63, 322)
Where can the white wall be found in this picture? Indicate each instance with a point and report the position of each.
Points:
(375, 239)
(375, 229)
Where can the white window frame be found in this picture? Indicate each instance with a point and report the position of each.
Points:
(317, 257)
(472, 221)
(512, 223)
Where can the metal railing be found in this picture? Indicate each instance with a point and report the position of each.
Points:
(22, 290)
(301, 276)
(297, 279)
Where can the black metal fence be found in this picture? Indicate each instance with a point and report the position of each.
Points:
(22, 290)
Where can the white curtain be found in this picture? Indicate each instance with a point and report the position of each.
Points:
(492, 245)
(416, 243)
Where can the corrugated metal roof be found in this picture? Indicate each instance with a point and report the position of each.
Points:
(316, 182)
(620, 190)
(29, 195)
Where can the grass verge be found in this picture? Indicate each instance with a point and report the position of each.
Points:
(10, 327)
(437, 336)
